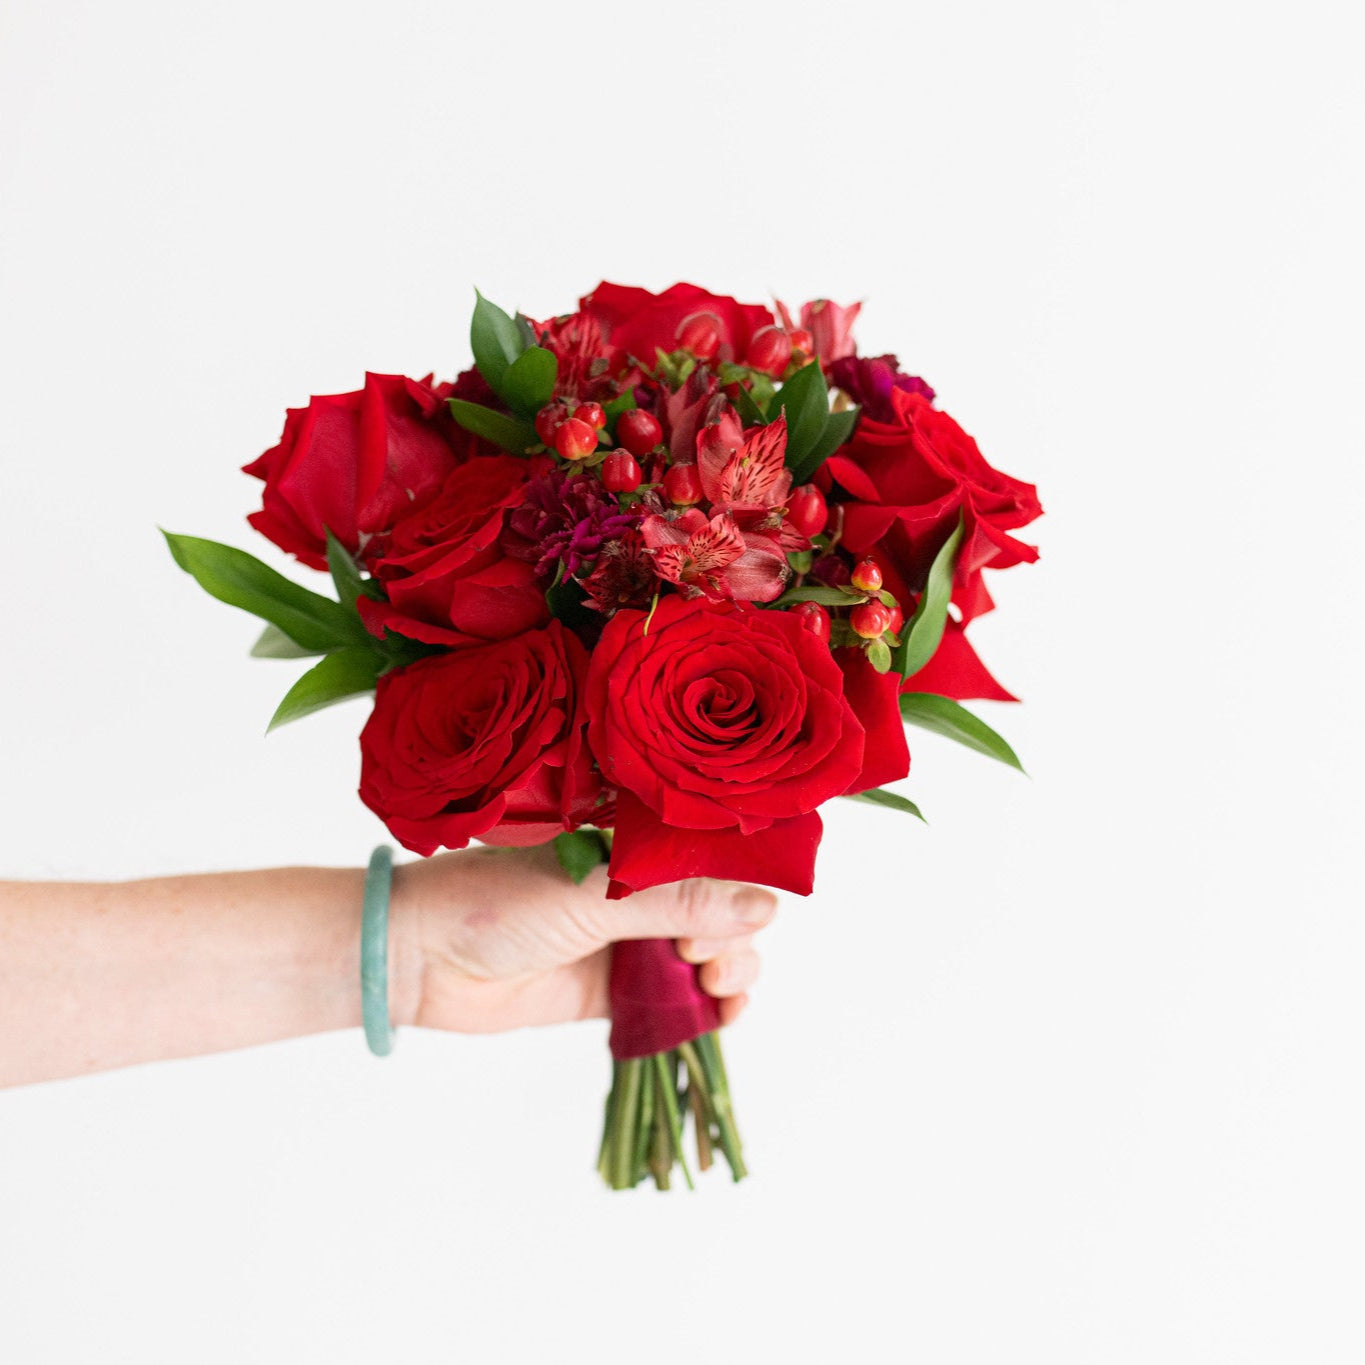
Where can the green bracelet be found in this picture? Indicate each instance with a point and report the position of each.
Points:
(374, 953)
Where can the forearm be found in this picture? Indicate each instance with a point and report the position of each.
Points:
(94, 976)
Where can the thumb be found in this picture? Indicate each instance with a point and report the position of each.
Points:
(701, 907)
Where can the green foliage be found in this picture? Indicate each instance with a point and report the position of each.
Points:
(581, 851)
(275, 644)
(349, 672)
(496, 341)
(507, 433)
(924, 630)
(838, 428)
(879, 796)
(311, 621)
(804, 398)
(530, 381)
(932, 712)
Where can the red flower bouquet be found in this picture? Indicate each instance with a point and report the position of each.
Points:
(654, 580)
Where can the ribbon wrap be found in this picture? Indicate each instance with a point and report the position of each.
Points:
(656, 1001)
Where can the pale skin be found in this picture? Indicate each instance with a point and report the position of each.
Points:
(101, 975)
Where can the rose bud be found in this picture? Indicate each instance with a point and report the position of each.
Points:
(639, 431)
(770, 351)
(871, 620)
(807, 511)
(592, 414)
(682, 485)
(548, 420)
(866, 577)
(621, 473)
(700, 334)
(815, 619)
(575, 439)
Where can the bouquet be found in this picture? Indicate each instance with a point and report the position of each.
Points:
(653, 580)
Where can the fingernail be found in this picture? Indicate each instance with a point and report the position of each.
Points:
(754, 906)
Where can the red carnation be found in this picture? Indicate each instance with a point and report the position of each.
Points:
(640, 323)
(352, 463)
(911, 478)
(484, 742)
(723, 729)
(447, 578)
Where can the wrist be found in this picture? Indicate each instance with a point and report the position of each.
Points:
(407, 966)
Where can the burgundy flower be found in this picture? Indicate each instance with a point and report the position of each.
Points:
(566, 516)
(870, 380)
(624, 576)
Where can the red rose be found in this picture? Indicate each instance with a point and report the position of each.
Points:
(445, 573)
(875, 699)
(911, 478)
(485, 742)
(722, 728)
(637, 321)
(351, 463)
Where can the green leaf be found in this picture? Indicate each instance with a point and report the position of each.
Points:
(580, 851)
(805, 400)
(508, 433)
(496, 341)
(931, 712)
(350, 583)
(623, 402)
(749, 411)
(924, 630)
(838, 428)
(312, 621)
(817, 592)
(530, 380)
(879, 656)
(879, 796)
(275, 644)
(525, 329)
(349, 672)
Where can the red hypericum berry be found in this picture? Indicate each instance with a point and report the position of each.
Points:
(639, 431)
(897, 618)
(621, 473)
(871, 620)
(807, 511)
(682, 485)
(575, 439)
(592, 414)
(815, 619)
(866, 577)
(700, 334)
(802, 341)
(770, 350)
(548, 420)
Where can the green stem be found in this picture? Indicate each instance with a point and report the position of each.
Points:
(623, 1125)
(665, 1068)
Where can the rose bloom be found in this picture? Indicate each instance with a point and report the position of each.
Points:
(637, 321)
(446, 575)
(911, 478)
(483, 742)
(351, 463)
(722, 728)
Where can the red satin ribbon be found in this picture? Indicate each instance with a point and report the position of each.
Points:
(656, 1002)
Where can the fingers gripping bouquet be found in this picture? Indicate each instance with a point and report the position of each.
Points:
(654, 580)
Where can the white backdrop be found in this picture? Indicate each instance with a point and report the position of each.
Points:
(1073, 1074)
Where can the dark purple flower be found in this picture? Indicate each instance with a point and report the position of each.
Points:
(566, 516)
(869, 380)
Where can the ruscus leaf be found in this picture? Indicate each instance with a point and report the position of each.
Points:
(879, 796)
(924, 630)
(495, 339)
(805, 400)
(530, 380)
(579, 851)
(275, 644)
(507, 433)
(944, 717)
(314, 622)
(349, 672)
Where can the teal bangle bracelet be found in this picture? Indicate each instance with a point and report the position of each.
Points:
(374, 952)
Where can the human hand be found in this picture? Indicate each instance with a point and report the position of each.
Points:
(489, 939)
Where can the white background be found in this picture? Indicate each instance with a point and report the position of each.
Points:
(1074, 1073)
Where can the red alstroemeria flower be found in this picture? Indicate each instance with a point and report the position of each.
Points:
(744, 469)
(830, 327)
(715, 557)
